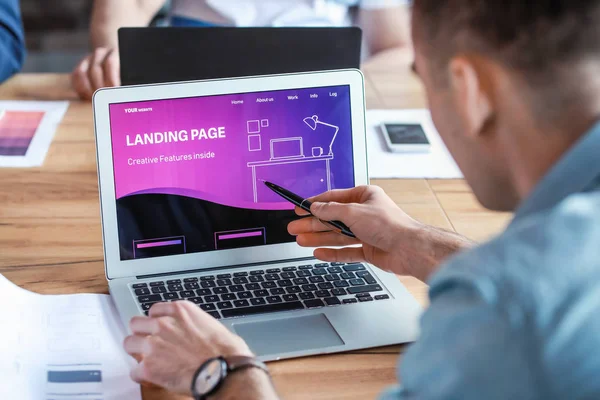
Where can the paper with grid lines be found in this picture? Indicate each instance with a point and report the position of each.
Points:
(62, 347)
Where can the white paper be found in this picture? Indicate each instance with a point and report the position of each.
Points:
(54, 112)
(437, 163)
(62, 347)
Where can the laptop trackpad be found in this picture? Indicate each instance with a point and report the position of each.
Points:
(289, 334)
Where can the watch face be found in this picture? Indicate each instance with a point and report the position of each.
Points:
(210, 376)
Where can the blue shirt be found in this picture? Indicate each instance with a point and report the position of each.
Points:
(519, 317)
(12, 41)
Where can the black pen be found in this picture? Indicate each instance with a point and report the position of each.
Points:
(305, 205)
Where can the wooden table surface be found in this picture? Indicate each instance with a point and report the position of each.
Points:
(50, 240)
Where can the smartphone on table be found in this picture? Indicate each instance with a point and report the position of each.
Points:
(403, 138)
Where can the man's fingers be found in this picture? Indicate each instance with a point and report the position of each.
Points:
(352, 195)
(138, 373)
(346, 255)
(143, 325)
(183, 310)
(95, 70)
(307, 225)
(112, 68)
(167, 309)
(80, 80)
(135, 344)
(334, 211)
(325, 239)
(158, 325)
(301, 212)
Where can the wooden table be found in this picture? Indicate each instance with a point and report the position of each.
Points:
(50, 239)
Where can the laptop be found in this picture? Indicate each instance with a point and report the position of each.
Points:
(185, 214)
(287, 148)
(170, 54)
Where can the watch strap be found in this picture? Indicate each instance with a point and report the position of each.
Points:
(235, 363)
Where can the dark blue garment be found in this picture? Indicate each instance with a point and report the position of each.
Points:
(12, 39)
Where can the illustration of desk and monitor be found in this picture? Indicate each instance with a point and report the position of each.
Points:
(287, 151)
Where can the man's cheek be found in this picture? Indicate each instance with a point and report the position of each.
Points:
(438, 116)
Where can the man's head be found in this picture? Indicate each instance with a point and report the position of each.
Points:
(497, 74)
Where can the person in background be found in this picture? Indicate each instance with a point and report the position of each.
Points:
(12, 39)
(385, 25)
(514, 91)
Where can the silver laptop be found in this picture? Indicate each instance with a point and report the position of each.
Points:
(185, 214)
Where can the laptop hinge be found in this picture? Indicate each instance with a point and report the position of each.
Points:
(191, 271)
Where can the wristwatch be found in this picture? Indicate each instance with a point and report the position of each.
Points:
(211, 375)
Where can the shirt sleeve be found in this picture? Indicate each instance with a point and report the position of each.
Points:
(469, 348)
(375, 4)
(12, 41)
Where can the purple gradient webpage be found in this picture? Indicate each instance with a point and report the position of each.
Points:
(189, 172)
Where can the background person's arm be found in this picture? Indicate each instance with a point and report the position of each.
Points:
(101, 68)
(385, 25)
(110, 15)
(12, 41)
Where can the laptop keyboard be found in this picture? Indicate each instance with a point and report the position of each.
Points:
(260, 291)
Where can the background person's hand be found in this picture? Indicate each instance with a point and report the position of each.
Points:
(174, 341)
(387, 237)
(99, 69)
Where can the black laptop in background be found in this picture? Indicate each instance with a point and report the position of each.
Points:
(166, 54)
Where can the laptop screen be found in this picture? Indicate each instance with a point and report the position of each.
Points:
(189, 172)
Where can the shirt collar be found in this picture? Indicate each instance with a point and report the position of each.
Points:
(575, 172)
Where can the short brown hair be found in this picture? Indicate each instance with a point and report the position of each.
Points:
(533, 36)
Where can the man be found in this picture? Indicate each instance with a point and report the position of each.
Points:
(514, 91)
(12, 40)
(384, 22)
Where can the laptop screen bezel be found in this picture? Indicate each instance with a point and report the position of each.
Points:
(117, 268)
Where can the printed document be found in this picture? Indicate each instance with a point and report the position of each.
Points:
(62, 347)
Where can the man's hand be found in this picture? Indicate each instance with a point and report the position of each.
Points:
(174, 341)
(97, 70)
(387, 236)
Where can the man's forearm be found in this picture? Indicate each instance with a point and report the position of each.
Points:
(248, 384)
(438, 245)
(110, 15)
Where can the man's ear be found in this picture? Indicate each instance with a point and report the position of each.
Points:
(471, 94)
